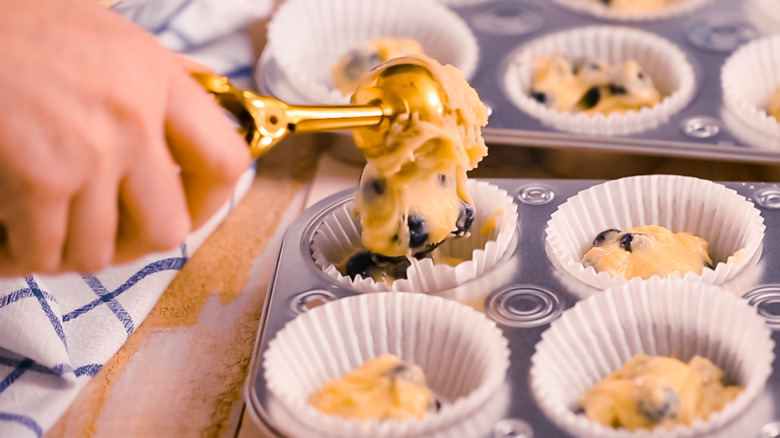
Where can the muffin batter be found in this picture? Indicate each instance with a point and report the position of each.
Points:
(651, 391)
(647, 250)
(351, 66)
(774, 105)
(637, 5)
(412, 192)
(591, 86)
(384, 387)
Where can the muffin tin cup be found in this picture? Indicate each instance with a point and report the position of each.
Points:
(671, 72)
(463, 355)
(307, 38)
(339, 235)
(659, 317)
(731, 224)
(601, 10)
(748, 78)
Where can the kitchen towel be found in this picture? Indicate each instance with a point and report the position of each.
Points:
(56, 332)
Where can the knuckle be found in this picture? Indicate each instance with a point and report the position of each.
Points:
(168, 235)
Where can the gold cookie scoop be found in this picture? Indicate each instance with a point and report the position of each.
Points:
(400, 87)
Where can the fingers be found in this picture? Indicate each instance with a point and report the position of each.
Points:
(191, 66)
(153, 214)
(207, 147)
(34, 235)
(92, 227)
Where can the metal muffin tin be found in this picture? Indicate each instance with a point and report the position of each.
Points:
(523, 294)
(707, 36)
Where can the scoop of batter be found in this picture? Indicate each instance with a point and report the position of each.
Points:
(637, 5)
(650, 391)
(591, 86)
(774, 105)
(384, 387)
(351, 67)
(412, 193)
(647, 250)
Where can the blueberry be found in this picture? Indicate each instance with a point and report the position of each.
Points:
(360, 264)
(383, 260)
(375, 187)
(604, 236)
(418, 235)
(617, 89)
(655, 409)
(368, 264)
(360, 63)
(426, 251)
(625, 241)
(538, 96)
(465, 219)
(591, 98)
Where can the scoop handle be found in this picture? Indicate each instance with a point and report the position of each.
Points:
(263, 120)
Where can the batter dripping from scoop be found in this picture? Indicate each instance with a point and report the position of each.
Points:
(412, 193)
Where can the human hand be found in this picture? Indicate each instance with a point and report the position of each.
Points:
(108, 149)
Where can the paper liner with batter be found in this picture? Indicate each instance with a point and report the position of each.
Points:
(601, 10)
(462, 353)
(307, 37)
(658, 317)
(338, 236)
(731, 224)
(748, 78)
(664, 62)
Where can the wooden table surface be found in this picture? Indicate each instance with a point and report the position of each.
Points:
(182, 372)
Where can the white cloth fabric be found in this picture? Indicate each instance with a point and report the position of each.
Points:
(56, 332)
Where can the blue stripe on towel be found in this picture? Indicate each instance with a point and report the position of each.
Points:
(55, 322)
(20, 369)
(25, 421)
(239, 72)
(111, 302)
(174, 263)
(22, 293)
(88, 370)
(183, 37)
(172, 16)
(58, 370)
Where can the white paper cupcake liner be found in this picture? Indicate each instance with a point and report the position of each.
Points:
(658, 317)
(307, 37)
(745, 132)
(665, 63)
(731, 224)
(339, 235)
(462, 353)
(748, 78)
(599, 9)
(765, 14)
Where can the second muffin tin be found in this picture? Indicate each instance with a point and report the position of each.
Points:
(523, 294)
(707, 36)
